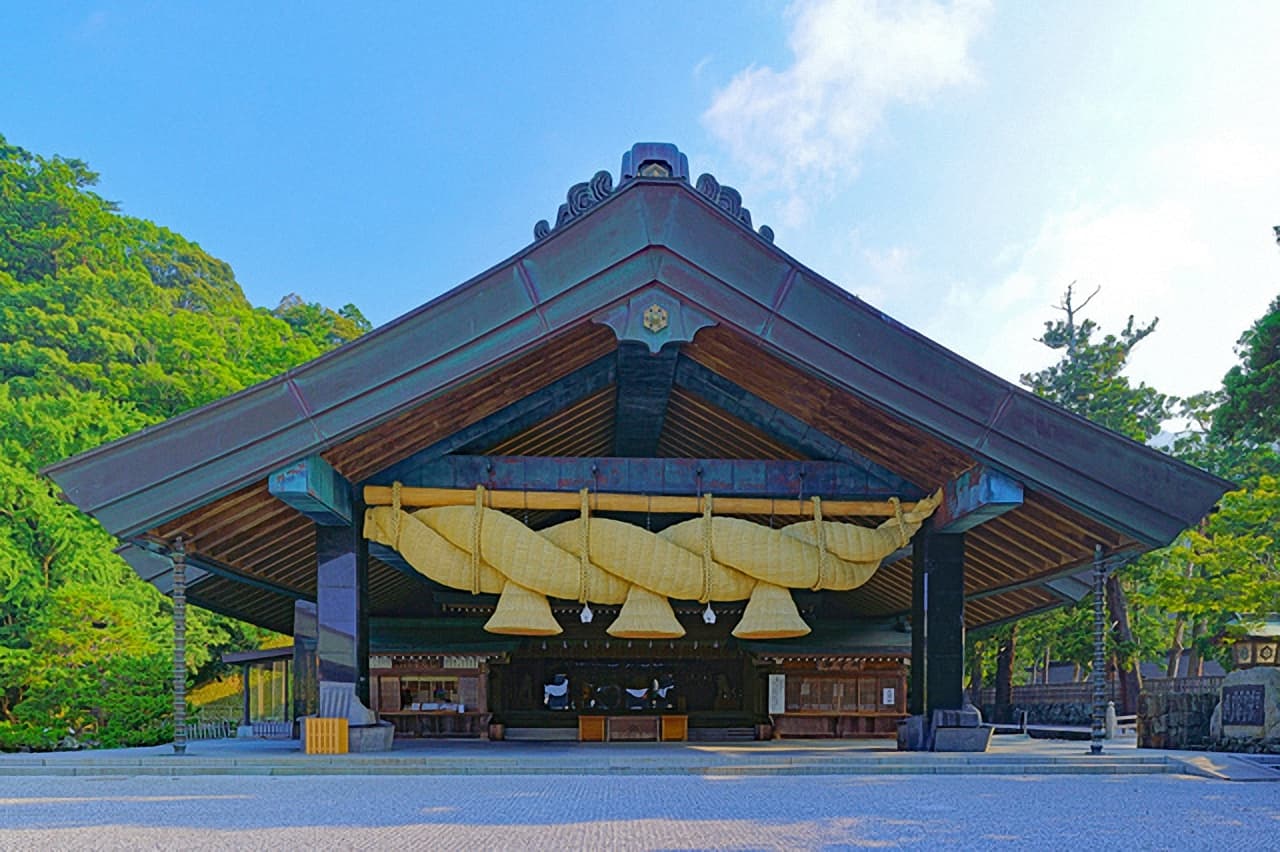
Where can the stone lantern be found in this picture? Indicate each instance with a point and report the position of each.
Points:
(1248, 714)
(1261, 647)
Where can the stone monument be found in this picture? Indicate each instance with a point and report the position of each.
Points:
(1248, 713)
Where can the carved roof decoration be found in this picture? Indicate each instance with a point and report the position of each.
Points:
(580, 198)
(729, 200)
(649, 160)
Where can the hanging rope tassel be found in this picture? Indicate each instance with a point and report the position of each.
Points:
(584, 555)
(708, 560)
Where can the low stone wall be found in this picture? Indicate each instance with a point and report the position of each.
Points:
(1175, 720)
(1052, 713)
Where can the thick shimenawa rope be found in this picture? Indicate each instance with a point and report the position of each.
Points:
(726, 558)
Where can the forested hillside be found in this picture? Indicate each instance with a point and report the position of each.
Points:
(108, 323)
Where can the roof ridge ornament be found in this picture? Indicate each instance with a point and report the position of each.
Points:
(648, 160)
(729, 200)
(580, 198)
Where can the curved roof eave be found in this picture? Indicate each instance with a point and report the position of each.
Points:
(650, 230)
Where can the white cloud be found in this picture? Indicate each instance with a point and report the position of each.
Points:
(1194, 250)
(803, 125)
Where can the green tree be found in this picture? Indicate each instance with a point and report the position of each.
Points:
(1089, 377)
(1250, 408)
(1089, 380)
(1227, 564)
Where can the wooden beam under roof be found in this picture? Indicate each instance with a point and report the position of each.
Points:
(644, 388)
(680, 476)
(513, 419)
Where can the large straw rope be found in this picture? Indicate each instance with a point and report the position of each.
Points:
(598, 560)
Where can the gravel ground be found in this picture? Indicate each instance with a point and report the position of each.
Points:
(639, 812)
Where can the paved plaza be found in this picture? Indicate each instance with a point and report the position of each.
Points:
(636, 812)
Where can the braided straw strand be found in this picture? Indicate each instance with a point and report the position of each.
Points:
(477, 518)
(708, 557)
(584, 555)
(820, 534)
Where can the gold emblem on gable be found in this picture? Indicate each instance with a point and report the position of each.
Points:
(655, 318)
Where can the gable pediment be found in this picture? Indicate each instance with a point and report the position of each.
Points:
(740, 309)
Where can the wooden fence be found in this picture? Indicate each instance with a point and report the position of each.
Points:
(273, 730)
(218, 730)
(1182, 685)
(1082, 693)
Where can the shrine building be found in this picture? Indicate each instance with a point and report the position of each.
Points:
(650, 477)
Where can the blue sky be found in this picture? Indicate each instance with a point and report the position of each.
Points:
(957, 165)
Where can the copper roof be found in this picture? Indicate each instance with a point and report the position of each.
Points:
(773, 330)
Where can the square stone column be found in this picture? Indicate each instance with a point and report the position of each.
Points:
(342, 585)
(937, 622)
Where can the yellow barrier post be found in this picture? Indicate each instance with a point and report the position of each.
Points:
(326, 736)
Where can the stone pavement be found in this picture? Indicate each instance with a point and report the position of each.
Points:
(1009, 755)
(600, 812)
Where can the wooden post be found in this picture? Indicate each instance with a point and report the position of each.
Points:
(244, 678)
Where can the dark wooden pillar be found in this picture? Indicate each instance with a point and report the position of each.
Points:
(245, 719)
(342, 572)
(937, 621)
(306, 667)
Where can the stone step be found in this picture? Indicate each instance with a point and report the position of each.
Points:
(722, 735)
(542, 734)
(600, 763)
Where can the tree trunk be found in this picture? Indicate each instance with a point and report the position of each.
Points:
(1195, 660)
(1127, 668)
(1048, 661)
(1004, 676)
(975, 674)
(1176, 648)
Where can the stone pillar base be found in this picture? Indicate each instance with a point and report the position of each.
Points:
(368, 738)
(913, 734)
(962, 739)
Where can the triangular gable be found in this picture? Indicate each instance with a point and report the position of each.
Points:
(654, 241)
